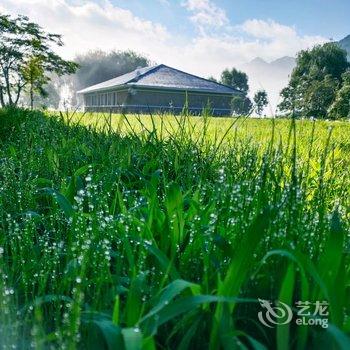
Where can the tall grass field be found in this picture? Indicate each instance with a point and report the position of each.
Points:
(172, 232)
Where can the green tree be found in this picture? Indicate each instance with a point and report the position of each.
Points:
(20, 42)
(261, 101)
(211, 78)
(98, 66)
(236, 79)
(319, 96)
(51, 96)
(314, 81)
(241, 105)
(341, 105)
(34, 76)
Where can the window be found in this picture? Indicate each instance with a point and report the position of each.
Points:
(110, 99)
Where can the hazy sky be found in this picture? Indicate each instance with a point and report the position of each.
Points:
(200, 36)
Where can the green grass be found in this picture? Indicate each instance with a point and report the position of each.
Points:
(163, 232)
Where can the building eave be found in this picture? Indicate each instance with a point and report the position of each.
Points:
(116, 87)
(175, 89)
(157, 88)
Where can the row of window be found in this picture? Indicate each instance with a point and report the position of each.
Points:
(102, 100)
(110, 99)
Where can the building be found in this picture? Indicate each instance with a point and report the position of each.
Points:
(158, 89)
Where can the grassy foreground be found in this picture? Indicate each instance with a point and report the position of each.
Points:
(158, 233)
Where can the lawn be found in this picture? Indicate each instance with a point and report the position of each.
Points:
(164, 232)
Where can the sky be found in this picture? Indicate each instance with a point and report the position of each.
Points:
(200, 36)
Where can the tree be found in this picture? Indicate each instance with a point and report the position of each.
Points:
(236, 79)
(289, 99)
(52, 94)
(21, 42)
(319, 96)
(49, 95)
(314, 81)
(98, 66)
(261, 101)
(211, 78)
(34, 75)
(341, 105)
(241, 105)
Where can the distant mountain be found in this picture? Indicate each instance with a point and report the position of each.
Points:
(345, 44)
(274, 76)
(284, 63)
(270, 76)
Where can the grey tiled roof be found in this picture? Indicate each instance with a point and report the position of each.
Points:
(162, 76)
